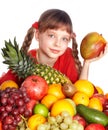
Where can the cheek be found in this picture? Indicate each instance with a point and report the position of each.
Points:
(64, 46)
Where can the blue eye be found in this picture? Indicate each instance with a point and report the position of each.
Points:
(51, 35)
(65, 39)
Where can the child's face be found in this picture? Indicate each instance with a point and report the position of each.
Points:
(53, 43)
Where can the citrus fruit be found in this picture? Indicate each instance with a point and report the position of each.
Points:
(1, 125)
(80, 98)
(41, 109)
(35, 120)
(72, 103)
(8, 83)
(85, 86)
(60, 106)
(48, 100)
(99, 89)
(56, 90)
(95, 103)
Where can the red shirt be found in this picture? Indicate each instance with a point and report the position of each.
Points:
(64, 64)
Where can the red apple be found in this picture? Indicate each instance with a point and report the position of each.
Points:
(80, 119)
(35, 86)
(30, 105)
(95, 126)
(101, 97)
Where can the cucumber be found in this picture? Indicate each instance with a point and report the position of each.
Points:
(92, 115)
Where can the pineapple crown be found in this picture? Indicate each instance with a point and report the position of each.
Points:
(11, 53)
(16, 59)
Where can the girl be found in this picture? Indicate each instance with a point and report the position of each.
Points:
(54, 31)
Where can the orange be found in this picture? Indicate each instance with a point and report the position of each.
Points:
(48, 100)
(99, 89)
(56, 90)
(85, 86)
(95, 103)
(1, 125)
(41, 109)
(35, 120)
(62, 105)
(80, 98)
(8, 83)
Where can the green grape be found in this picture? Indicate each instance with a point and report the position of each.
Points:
(51, 120)
(59, 119)
(80, 127)
(41, 127)
(63, 126)
(68, 120)
(73, 126)
(75, 121)
(56, 128)
(65, 113)
(47, 125)
(52, 127)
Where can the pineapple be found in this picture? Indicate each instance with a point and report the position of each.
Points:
(22, 64)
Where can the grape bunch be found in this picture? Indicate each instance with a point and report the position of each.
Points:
(12, 107)
(62, 121)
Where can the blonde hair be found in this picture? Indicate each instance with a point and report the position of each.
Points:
(53, 19)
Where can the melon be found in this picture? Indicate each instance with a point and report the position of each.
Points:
(92, 45)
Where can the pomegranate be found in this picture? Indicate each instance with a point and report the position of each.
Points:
(92, 45)
(35, 86)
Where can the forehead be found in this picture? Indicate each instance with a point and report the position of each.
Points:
(59, 31)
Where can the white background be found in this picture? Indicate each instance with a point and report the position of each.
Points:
(16, 16)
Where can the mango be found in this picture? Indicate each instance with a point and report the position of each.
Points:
(92, 45)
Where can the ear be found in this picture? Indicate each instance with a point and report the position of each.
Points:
(37, 35)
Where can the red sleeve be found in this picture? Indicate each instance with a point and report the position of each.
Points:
(64, 64)
(67, 66)
(9, 76)
(32, 53)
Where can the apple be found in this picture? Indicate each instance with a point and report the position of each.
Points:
(30, 105)
(35, 86)
(101, 97)
(80, 119)
(94, 126)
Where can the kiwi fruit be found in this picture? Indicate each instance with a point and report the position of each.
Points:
(68, 89)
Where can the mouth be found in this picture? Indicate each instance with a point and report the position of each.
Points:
(54, 51)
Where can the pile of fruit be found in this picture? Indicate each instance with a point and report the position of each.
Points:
(47, 99)
(20, 109)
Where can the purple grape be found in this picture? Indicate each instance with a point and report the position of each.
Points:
(20, 102)
(2, 109)
(10, 101)
(21, 110)
(15, 111)
(8, 120)
(18, 118)
(11, 127)
(8, 108)
(5, 126)
(4, 100)
(3, 115)
(27, 113)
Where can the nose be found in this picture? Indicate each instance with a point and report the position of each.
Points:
(58, 42)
